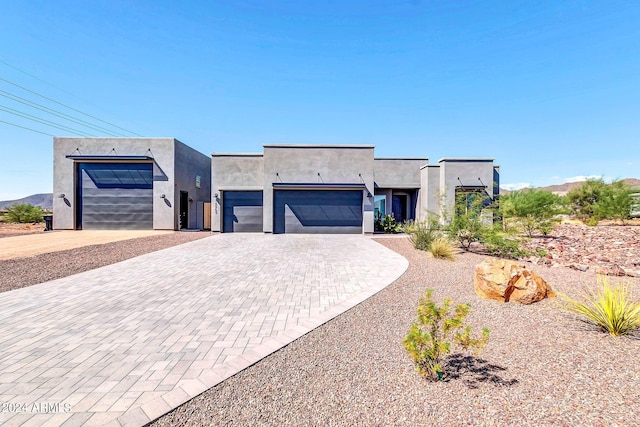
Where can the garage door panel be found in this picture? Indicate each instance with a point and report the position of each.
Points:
(318, 211)
(242, 211)
(116, 196)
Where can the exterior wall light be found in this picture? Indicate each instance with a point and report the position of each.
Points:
(162, 196)
(61, 196)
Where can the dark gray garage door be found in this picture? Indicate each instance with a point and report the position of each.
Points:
(317, 211)
(242, 211)
(115, 196)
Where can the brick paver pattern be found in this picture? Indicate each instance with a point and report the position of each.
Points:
(123, 344)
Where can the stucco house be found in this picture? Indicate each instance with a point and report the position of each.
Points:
(161, 183)
(336, 188)
(129, 183)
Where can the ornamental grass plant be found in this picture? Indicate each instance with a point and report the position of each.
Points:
(611, 308)
(442, 248)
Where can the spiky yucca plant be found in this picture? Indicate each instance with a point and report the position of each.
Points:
(441, 248)
(428, 340)
(610, 308)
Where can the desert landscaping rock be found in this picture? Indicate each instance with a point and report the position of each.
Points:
(610, 249)
(540, 368)
(503, 281)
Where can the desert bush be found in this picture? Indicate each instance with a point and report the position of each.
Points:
(422, 234)
(503, 244)
(387, 224)
(466, 229)
(441, 248)
(24, 213)
(434, 333)
(609, 308)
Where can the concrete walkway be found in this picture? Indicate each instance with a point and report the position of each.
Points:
(53, 241)
(124, 344)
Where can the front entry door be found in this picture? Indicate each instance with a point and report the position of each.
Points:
(399, 208)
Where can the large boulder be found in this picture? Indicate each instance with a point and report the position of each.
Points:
(504, 281)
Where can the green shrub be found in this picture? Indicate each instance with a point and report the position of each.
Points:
(595, 200)
(431, 337)
(591, 221)
(24, 213)
(389, 225)
(421, 234)
(441, 248)
(610, 308)
(503, 244)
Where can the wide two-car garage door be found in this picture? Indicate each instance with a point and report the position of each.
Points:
(317, 211)
(115, 196)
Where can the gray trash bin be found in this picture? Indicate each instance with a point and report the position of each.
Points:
(48, 222)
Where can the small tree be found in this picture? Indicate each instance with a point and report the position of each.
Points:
(615, 202)
(467, 225)
(429, 338)
(532, 209)
(583, 200)
(24, 213)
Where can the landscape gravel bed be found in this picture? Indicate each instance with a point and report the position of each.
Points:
(541, 366)
(20, 272)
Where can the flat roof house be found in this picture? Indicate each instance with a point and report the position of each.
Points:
(129, 183)
(336, 188)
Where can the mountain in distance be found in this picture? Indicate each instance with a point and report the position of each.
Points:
(562, 189)
(44, 200)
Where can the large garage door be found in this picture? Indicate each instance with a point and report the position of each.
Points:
(317, 211)
(242, 211)
(115, 196)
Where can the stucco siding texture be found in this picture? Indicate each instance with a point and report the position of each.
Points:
(398, 173)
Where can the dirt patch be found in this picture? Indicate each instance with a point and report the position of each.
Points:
(8, 230)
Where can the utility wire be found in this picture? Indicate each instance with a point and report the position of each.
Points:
(66, 106)
(24, 127)
(46, 122)
(56, 113)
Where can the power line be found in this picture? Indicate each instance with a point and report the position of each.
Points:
(56, 113)
(43, 121)
(66, 106)
(43, 81)
(24, 127)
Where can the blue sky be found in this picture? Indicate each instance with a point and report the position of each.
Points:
(550, 89)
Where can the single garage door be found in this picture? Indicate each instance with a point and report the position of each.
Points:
(317, 211)
(242, 211)
(115, 196)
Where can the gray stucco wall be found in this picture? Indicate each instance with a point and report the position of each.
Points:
(189, 164)
(398, 173)
(347, 164)
(174, 168)
(471, 172)
(233, 172)
(429, 197)
(162, 150)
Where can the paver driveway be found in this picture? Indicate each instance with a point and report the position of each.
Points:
(126, 343)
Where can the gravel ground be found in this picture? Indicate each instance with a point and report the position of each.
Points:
(20, 272)
(541, 366)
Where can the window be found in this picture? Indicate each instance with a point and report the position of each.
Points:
(379, 206)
